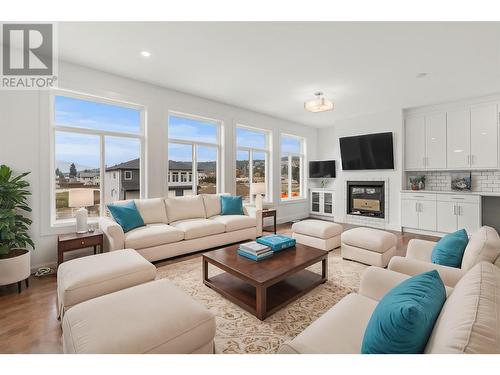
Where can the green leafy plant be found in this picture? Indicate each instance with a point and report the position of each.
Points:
(13, 202)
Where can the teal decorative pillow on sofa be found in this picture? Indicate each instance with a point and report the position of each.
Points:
(404, 318)
(126, 215)
(231, 205)
(449, 250)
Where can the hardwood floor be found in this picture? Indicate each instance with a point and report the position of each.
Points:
(28, 322)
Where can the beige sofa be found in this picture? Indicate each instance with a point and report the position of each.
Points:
(484, 245)
(177, 226)
(469, 321)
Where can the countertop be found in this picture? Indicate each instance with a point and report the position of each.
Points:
(481, 193)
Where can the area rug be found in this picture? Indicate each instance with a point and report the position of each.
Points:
(241, 332)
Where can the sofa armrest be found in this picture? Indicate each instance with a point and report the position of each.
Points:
(252, 211)
(411, 267)
(376, 282)
(114, 238)
(420, 249)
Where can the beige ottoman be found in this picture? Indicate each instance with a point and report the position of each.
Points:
(320, 234)
(156, 317)
(369, 246)
(88, 277)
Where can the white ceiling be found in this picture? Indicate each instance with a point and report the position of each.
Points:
(273, 67)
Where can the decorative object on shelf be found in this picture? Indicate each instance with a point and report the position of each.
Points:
(258, 189)
(318, 104)
(323, 183)
(417, 182)
(15, 259)
(461, 181)
(81, 198)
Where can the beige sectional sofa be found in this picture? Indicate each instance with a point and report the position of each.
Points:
(469, 321)
(181, 225)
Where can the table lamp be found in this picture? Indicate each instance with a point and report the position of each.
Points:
(81, 198)
(258, 189)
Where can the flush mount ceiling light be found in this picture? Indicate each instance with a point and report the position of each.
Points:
(145, 53)
(319, 104)
(421, 75)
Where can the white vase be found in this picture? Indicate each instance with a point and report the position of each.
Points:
(15, 269)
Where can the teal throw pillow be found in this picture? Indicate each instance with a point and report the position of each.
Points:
(450, 249)
(231, 205)
(404, 318)
(126, 215)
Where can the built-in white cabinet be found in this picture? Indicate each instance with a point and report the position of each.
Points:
(418, 211)
(456, 212)
(465, 137)
(321, 202)
(440, 212)
(484, 136)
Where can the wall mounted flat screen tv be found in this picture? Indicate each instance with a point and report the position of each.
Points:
(322, 169)
(370, 151)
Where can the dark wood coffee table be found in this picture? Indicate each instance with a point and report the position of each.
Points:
(264, 287)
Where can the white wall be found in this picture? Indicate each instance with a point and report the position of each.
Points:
(25, 138)
(328, 148)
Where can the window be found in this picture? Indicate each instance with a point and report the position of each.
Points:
(252, 156)
(291, 167)
(193, 155)
(94, 141)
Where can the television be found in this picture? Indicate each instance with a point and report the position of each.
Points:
(322, 169)
(370, 151)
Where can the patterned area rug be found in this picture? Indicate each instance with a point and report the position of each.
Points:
(241, 332)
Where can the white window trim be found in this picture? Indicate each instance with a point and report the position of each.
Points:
(53, 128)
(194, 147)
(267, 152)
(302, 158)
(127, 173)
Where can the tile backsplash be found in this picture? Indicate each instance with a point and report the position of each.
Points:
(441, 181)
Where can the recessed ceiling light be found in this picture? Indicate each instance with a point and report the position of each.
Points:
(145, 53)
(421, 75)
(319, 104)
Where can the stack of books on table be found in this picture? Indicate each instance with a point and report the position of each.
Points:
(277, 242)
(255, 251)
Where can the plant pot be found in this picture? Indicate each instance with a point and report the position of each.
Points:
(15, 267)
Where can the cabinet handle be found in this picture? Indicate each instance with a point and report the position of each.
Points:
(468, 159)
(455, 209)
(423, 161)
(459, 210)
(416, 206)
(458, 198)
(471, 159)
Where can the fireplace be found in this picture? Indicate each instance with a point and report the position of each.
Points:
(366, 198)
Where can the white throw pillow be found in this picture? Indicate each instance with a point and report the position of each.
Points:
(181, 208)
(484, 245)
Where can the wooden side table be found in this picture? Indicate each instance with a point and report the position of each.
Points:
(77, 241)
(269, 213)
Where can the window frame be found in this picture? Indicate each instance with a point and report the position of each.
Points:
(268, 198)
(302, 157)
(102, 134)
(193, 176)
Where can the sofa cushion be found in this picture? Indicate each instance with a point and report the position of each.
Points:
(181, 208)
(317, 228)
(196, 228)
(235, 222)
(152, 210)
(340, 330)
(156, 317)
(127, 215)
(152, 235)
(449, 250)
(484, 245)
(371, 239)
(404, 318)
(469, 320)
(212, 204)
(231, 205)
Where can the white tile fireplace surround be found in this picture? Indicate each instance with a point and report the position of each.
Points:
(375, 222)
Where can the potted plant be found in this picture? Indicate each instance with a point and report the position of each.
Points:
(15, 261)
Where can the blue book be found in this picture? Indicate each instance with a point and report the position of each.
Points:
(253, 257)
(277, 242)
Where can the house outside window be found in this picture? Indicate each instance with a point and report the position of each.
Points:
(91, 137)
(128, 175)
(252, 161)
(292, 151)
(194, 151)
